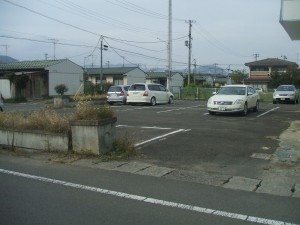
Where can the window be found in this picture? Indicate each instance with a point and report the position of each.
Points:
(162, 88)
(137, 87)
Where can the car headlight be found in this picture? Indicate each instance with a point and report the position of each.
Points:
(239, 101)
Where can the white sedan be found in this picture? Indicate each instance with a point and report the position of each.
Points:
(233, 99)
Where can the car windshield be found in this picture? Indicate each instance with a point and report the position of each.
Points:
(285, 88)
(232, 91)
(115, 89)
(126, 88)
(137, 87)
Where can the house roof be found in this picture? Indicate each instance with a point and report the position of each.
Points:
(159, 74)
(26, 65)
(110, 70)
(272, 62)
(258, 79)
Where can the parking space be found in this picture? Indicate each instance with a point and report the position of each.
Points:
(183, 135)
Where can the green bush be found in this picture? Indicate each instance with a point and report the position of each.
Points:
(61, 89)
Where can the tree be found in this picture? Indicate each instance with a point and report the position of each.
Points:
(292, 76)
(238, 76)
(61, 89)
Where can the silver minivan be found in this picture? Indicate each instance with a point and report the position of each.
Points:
(149, 94)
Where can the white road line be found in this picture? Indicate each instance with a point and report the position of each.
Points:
(170, 110)
(123, 110)
(159, 137)
(268, 112)
(145, 127)
(118, 194)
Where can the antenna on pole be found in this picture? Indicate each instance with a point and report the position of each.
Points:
(256, 56)
(54, 43)
(6, 47)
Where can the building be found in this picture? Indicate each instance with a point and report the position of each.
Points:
(290, 18)
(42, 76)
(116, 75)
(176, 80)
(261, 70)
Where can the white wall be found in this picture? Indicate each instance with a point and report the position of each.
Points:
(135, 76)
(5, 88)
(176, 80)
(67, 73)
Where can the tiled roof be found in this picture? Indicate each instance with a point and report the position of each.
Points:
(23, 65)
(272, 62)
(110, 70)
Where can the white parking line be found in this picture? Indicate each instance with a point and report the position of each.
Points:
(177, 109)
(268, 112)
(123, 110)
(159, 137)
(154, 201)
(145, 127)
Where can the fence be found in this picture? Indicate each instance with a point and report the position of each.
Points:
(194, 93)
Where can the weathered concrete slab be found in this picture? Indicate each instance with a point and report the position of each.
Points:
(132, 167)
(296, 194)
(276, 187)
(202, 177)
(263, 156)
(155, 171)
(109, 165)
(242, 183)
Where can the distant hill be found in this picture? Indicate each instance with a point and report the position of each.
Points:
(211, 70)
(6, 59)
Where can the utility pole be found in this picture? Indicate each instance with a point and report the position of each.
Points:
(54, 43)
(169, 46)
(189, 45)
(102, 47)
(256, 56)
(6, 47)
(195, 67)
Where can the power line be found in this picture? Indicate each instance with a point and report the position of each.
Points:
(51, 18)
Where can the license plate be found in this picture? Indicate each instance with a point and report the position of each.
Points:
(283, 99)
(222, 108)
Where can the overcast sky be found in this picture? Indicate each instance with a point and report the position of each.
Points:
(225, 32)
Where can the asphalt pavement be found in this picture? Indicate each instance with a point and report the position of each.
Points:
(259, 153)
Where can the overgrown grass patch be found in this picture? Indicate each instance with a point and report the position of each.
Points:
(266, 96)
(87, 111)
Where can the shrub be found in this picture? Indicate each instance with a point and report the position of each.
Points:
(61, 89)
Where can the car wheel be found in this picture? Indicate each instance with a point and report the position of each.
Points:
(111, 103)
(245, 111)
(153, 101)
(274, 102)
(171, 100)
(256, 107)
(211, 113)
(297, 101)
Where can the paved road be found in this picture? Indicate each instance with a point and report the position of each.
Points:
(38, 192)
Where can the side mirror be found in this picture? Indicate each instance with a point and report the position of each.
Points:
(214, 93)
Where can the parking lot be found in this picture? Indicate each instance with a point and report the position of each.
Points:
(184, 136)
